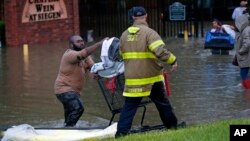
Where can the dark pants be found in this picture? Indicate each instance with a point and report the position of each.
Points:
(158, 96)
(73, 107)
(244, 73)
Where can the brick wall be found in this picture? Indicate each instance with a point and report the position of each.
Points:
(18, 33)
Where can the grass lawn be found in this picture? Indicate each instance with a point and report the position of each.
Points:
(217, 131)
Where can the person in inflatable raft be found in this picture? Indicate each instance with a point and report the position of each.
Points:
(218, 27)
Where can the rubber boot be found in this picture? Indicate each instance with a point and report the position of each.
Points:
(246, 84)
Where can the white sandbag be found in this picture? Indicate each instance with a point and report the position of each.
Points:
(25, 132)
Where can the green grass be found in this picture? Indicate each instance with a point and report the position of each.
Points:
(218, 131)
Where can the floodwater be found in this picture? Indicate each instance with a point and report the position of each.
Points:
(205, 87)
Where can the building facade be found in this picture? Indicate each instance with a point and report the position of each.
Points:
(39, 21)
(45, 21)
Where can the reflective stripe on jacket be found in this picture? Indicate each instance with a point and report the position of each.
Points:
(143, 50)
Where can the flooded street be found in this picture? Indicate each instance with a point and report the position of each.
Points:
(205, 87)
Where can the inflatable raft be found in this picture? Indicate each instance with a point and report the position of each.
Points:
(222, 41)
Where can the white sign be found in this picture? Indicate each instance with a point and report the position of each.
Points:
(43, 10)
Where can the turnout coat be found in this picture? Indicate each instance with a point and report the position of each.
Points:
(143, 52)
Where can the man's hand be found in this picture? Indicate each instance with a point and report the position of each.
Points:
(174, 67)
(94, 75)
(100, 42)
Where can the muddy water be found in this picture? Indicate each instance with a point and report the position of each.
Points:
(205, 87)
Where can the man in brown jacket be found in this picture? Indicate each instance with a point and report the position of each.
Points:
(75, 63)
(143, 50)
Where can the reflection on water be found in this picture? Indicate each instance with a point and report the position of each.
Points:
(26, 57)
(205, 87)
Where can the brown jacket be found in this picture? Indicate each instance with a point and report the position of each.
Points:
(72, 71)
(143, 50)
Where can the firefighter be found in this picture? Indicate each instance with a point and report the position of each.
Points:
(143, 50)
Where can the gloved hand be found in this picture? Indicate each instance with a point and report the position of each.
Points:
(97, 67)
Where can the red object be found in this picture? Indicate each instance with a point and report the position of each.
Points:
(246, 84)
(167, 85)
(110, 84)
